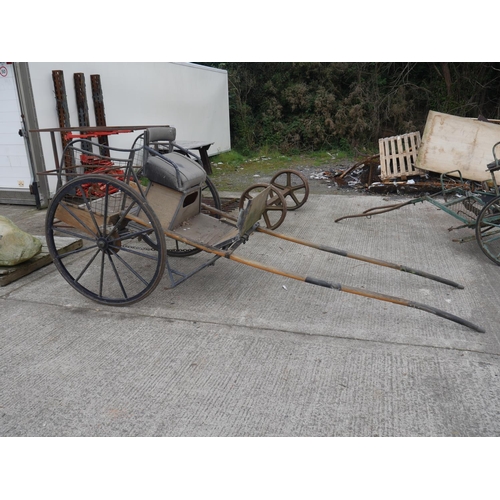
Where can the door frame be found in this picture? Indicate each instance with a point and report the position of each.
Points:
(38, 193)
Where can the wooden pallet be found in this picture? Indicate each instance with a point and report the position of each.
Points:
(398, 156)
(13, 273)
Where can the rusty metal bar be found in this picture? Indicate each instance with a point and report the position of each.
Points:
(122, 128)
(81, 100)
(382, 209)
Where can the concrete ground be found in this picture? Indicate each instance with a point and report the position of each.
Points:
(235, 351)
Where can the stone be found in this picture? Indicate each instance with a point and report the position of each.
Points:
(16, 246)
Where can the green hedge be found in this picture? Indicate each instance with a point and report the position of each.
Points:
(309, 106)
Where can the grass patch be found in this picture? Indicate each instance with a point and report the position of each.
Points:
(234, 171)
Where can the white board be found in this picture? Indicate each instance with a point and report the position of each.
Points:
(14, 167)
(454, 143)
(192, 98)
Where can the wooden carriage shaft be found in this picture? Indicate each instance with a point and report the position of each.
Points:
(335, 286)
(314, 281)
(370, 260)
(343, 253)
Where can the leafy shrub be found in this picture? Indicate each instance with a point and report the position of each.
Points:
(310, 106)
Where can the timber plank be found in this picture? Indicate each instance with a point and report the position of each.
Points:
(42, 259)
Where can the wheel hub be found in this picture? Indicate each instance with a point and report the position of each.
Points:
(102, 243)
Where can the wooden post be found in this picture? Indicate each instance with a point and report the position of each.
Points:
(100, 116)
(62, 108)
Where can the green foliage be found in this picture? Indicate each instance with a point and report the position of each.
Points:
(232, 157)
(298, 107)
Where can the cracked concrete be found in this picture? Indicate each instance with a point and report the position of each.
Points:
(235, 351)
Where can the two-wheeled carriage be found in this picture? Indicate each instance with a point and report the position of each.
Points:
(137, 210)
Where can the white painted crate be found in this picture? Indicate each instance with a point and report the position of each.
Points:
(398, 156)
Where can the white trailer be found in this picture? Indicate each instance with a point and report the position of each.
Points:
(190, 97)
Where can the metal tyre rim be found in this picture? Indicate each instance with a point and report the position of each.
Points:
(121, 261)
(488, 230)
(294, 187)
(276, 208)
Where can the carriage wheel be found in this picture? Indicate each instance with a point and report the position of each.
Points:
(275, 211)
(488, 230)
(293, 186)
(209, 196)
(121, 260)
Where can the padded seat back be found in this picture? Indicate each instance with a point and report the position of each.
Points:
(162, 134)
(175, 171)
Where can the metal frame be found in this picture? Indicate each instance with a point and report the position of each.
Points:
(39, 189)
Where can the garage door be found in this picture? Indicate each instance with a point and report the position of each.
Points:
(14, 166)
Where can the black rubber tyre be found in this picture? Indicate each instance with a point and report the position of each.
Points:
(121, 261)
(488, 230)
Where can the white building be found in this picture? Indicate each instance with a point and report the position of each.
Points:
(190, 97)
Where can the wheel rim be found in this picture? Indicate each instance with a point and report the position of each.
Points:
(488, 230)
(121, 260)
(293, 186)
(276, 208)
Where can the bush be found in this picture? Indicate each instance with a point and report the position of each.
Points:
(310, 106)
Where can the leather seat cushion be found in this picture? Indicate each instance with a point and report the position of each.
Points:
(162, 172)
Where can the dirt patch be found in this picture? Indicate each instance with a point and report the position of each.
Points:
(322, 179)
(361, 176)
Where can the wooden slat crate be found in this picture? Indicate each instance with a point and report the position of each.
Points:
(398, 156)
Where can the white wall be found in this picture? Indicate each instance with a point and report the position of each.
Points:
(189, 97)
(14, 166)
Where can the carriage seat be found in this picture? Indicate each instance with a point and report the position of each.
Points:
(174, 171)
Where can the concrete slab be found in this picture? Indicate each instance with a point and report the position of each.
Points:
(235, 351)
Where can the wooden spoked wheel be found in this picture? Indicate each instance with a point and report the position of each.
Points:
(293, 186)
(123, 252)
(275, 211)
